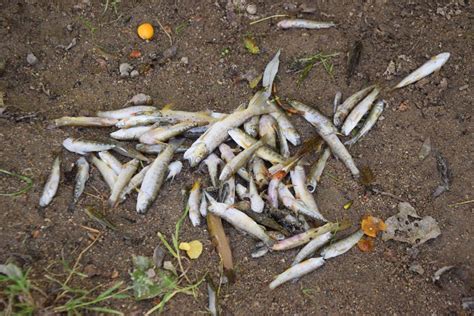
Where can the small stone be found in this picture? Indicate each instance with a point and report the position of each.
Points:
(184, 60)
(463, 87)
(170, 52)
(443, 84)
(69, 27)
(416, 268)
(252, 9)
(134, 73)
(125, 70)
(90, 270)
(31, 59)
(114, 274)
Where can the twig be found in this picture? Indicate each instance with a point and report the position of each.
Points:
(377, 191)
(461, 203)
(268, 18)
(164, 30)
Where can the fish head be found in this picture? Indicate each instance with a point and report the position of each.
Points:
(199, 152)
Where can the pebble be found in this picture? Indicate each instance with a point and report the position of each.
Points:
(416, 268)
(443, 84)
(252, 9)
(31, 59)
(463, 87)
(69, 27)
(90, 270)
(134, 73)
(184, 60)
(125, 70)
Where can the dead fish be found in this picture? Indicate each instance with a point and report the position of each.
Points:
(140, 120)
(337, 101)
(359, 111)
(123, 179)
(344, 109)
(267, 127)
(342, 246)
(272, 190)
(155, 177)
(239, 220)
(163, 133)
(353, 60)
(203, 206)
(251, 126)
(241, 191)
(212, 293)
(432, 65)
(217, 133)
(304, 24)
(139, 99)
(134, 183)
(227, 155)
(244, 140)
(297, 206)
(297, 271)
(195, 132)
(126, 149)
(256, 202)
(194, 203)
(227, 191)
(84, 121)
(298, 179)
(111, 161)
(259, 252)
(240, 160)
(84, 147)
(260, 172)
(82, 176)
(286, 127)
(269, 74)
(107, 173)
(52, 184)
(327, 131)
(310, 248)
(126, 112)
(372, 118)
(202, 118)
(157, 148)
(265, 220)
(213, 162)
(316, 170)
(131, 133)
(174, 169)
(282, 143)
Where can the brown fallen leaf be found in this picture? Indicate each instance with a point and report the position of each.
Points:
(366, 244)
(135, 54)
(404, 106)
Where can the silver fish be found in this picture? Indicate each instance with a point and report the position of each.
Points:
(227, 155)
(266, 153)
(239, 220)
(260, 172)
(127, 150)
(196, 132)
(359, 111)
(251, 126)
(297, 271)
(126, 112)
(203, 206)
(131, 133)
(295, 205)
(342, 246)
(140, 120)
(194, 203)
(267, 127)
(163, 133)
(212, 293)
(298, 179)
(256, 202)
(327, 131)
(82, 176)
(310, 248)
(316, 170)
(304, 24)
(123, 179)
(432, 65)
(157, 148)
(241, 191)
(212, 162)
(227, 191)
(203, 117)
(372, 118)
(240, 160)
(174, 169)
(344, 109)
(52, 184)
(84, 121)
(155, 177)
(283, 144)
(272, 191)
(83, 147)
(111, 161)
(287, 128)
(134, 183)
(337, 101)
(107, 173)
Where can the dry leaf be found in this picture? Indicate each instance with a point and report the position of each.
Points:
(366, 245)
(135, 54)
(403, 106)
(372, 225)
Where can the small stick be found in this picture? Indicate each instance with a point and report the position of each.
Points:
(167, 34)
(269, 17)
(461, 203)
(377, 191)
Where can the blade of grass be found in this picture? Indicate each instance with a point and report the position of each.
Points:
(29, 183)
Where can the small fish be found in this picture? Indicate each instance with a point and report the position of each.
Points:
(52, 184)
(242, 192)
(283, 144)
(157, 148)
(240, 160)
(123, 179)
(297, 206)
(304, 24)
(127, 150)
(227, 191)
(131, 133)
(82, 176)
(203, 117)
(265, 220)
(244, 140)
(212, 293)
(213, 162)
(111, 161)
(251, 126)
(359, 111)
(316, 170)
(163, 133)
(310, 248)
(337, 101)
(259, 252)
(344, 109)
(174, 169)
(155, 177)
(272, 190)
(297, 271)
(84, 147)
(353, 60)
(84, 121)
(256, 202)
(287, 128)
(327, 131)
(239, 220)
(194, 203)
(432, 65)
(140, 120)
(342, 246)
(195, 132)
(227, 155)
(203, 206)
(372, 118)
(260, 172)
(107, 173)
(267, 127)
(134, 183)
(126, 112)
(298, 179)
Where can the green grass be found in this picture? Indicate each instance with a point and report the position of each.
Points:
(304, 65)
(29, 183)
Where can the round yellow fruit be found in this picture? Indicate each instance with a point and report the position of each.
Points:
(145, 31)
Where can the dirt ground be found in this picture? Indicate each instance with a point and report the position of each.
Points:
(86, 79)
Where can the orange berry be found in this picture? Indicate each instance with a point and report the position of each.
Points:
(145, 31)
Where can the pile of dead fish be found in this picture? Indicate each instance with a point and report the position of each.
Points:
(249, 182)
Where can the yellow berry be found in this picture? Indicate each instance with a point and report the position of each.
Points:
(145, 31)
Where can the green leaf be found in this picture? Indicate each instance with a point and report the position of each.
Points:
(251, 45)
(142, 263)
